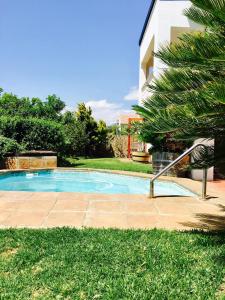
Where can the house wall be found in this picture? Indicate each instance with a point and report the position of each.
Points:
(165, 22)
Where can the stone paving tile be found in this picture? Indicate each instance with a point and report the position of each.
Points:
(172, 208)
(4, 215)
(139, 207)
(71, 196)
(206, 208)
(106, 220)
(130, 198)
(108, 206)
(36, 205)
(70, 204)
(9, 196)
(219, 185)
(142, 221)
(116, 197)
(9, 205)
(43, 196)
(104, 197)
(174, 222)
(178, 200)
(62, 218)
(24, 219)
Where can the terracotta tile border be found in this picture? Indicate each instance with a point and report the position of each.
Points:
(102, 210)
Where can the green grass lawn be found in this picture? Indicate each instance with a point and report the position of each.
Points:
(110, 264)
(110, 164)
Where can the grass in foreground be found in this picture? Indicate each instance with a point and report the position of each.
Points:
(110, 264)
(110, 164)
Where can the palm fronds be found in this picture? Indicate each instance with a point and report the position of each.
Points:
(188, 100)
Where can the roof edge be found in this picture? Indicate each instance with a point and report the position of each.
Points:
(146, 21)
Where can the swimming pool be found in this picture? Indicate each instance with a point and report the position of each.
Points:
(84, 181)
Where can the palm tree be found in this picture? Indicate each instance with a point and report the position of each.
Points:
(188, 100)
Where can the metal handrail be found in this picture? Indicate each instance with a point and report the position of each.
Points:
(173, 163)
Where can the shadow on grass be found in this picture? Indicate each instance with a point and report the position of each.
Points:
(209, 222)
(62, 162)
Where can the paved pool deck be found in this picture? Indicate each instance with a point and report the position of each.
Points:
(52, 209)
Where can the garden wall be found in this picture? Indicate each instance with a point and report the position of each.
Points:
(31, 160)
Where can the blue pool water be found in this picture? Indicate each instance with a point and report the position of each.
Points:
(88, 182)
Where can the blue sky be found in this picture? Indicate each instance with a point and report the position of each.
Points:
(80, 50)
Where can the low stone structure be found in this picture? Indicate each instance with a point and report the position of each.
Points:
(31, 160)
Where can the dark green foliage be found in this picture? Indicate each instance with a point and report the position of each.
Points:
(8, 146)
(95, 131)
(161, 142)
(158, 141)
(102, 148)
(25, 107)
(37, 124)
(111, 264)
(76, 138)
(84, 116)
(33, 133)
(32, 123)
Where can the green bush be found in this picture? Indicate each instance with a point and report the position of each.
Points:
(76, 138)
(33, 133)
(8, 146)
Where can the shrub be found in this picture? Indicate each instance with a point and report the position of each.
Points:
(32, 133)
(77, 140)
(8, 146)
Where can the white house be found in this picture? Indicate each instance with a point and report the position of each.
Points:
(164, 23)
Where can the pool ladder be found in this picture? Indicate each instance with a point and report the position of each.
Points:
(175, 162)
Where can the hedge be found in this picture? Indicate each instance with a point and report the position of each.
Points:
(33, 133)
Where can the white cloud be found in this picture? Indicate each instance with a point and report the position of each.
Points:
(132, 95)
(95, 104)
(106, 110)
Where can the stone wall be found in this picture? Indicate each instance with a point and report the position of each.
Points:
(30, 162)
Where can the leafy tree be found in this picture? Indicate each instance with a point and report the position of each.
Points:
(12, 105)
(113, 129)
(84, 135)
(188, 100)
(53, 107)
(68, 117)
(84, 116)
(76, 136)
(84, 113)
(102, 143)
